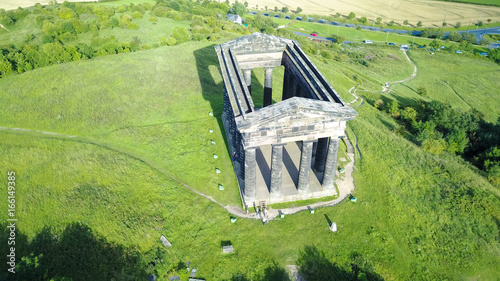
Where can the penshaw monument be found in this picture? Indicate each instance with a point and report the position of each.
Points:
(284, 151)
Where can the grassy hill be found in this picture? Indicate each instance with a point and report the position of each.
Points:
(133, 128)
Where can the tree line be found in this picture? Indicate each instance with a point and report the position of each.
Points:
(62, 24)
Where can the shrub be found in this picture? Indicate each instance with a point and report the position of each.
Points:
(422, 91)
(137, 15)
(133, 25)
(181, 34)
(379, 104)
(160, 11)
(171, 41)
(434, 146)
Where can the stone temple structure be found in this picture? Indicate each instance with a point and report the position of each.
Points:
(285, 151)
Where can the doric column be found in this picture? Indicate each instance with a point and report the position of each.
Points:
(247, 74)
(250, 180)
(268, 86)
(305, 166)
(319, 161)
(276, 169)
(331, 163)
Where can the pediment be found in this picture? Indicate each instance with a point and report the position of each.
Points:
(257, 43)
(295, 112)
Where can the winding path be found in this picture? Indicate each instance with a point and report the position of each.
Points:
(387, 88)
(345, 185)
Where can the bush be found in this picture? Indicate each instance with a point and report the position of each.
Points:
(153, 19)
(379, 104)
(351, 15)
(326, 54)
(171, 41)
(133, 25)
(422, 91)
(137, 15)
(181, 34)
(160, 11)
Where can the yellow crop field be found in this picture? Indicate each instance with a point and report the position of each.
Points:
(431, 13)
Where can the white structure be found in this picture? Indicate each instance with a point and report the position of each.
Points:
(333, 227)
(234, 18)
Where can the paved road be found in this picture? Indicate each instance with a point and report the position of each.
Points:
(478, 32)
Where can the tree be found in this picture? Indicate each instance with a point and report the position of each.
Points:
(488, 20)
(363, 20)
(419, 24)
(379, 20)
(480, 23)
(409, 114)
(351, 15)
(246, 4)
(458, 24)
(466, 46)
(435, 44)
(284, 10)
(455, 36)
(299, 10)
(485, 42)
(391, 23)
(394, 109)
(406, 22)
(5, 68)
(379, 104)
(305, 18)
(239, 8)
(469, 37)
(276, 9)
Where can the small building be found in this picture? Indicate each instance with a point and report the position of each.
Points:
(234, 18)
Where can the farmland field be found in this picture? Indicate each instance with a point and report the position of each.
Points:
(431, 13)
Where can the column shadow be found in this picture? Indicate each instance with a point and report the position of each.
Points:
(328, 220)
(290, 166)
(207, 64)
(264, 168)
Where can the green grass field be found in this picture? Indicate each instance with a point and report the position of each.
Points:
(138, 125)
(477, 2)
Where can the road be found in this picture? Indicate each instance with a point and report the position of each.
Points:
(479, 33)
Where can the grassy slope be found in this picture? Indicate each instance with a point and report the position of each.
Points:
(472, 83)
(146, 114)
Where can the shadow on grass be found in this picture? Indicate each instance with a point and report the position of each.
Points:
(211, 90)
(271, 273)
(75, 254)
(315, 266)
